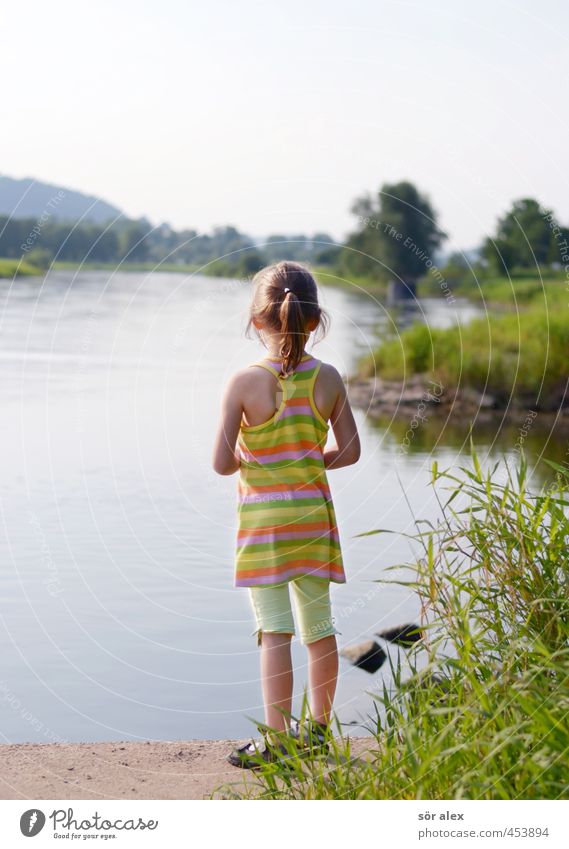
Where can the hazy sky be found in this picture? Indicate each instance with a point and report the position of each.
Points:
(274, 116)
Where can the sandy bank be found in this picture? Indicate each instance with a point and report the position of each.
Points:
(190, 769)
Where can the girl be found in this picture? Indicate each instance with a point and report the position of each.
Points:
(274, 423)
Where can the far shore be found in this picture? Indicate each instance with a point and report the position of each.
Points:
(327, 276)
(15, 268)
(183, 769)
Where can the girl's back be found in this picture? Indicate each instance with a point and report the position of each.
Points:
(261, 392)
(287, 525)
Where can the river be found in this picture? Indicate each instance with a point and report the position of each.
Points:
(119, 618)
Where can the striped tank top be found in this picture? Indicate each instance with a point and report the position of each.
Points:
(287, 525)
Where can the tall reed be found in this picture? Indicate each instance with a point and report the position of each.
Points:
(484, 713)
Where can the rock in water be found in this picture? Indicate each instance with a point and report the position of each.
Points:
(402, 635)
(369, 656)
(435, 685)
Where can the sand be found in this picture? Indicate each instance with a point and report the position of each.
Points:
(190, 769)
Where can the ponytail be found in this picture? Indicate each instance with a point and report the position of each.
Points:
(293, 332)
(285, 302)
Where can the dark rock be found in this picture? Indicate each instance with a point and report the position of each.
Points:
(439, 687)
(427, 679)
(402, 635)
(368, 656)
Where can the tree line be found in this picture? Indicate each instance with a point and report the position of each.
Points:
(223, 251)
(397, 235)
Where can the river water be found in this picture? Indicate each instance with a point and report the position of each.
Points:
(118, 615)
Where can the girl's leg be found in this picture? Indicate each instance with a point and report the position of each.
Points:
(322, 677)
(312, 597)
(275, 626)
(276, 676)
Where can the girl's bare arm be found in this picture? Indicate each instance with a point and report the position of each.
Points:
(225, 459)
(347, 450)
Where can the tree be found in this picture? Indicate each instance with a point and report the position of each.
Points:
(523, 238)
(397, 236)
(105, 244)
(133, 244)
(40, 257)
(250, 262)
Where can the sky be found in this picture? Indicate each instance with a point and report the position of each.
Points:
(275, 116)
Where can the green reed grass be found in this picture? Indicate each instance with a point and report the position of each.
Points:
(484, 712)
(511, 355)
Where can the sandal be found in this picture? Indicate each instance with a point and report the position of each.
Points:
(313, 735)
(255, 754)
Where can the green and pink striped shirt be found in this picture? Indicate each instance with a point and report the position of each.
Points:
(287, 523)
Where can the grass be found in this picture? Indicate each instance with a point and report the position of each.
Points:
(484, 713)
(15, 268)
(535, 287)
(523, 287)
(520, 355)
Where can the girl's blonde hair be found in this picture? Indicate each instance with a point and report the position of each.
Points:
(285, 299)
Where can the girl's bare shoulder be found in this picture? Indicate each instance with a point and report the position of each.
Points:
(248, 379)
(328, 389)
(241, 375)
(329, 376)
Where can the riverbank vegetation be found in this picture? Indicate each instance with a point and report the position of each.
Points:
(395, 247)
(398, 240)
(18, 268)
(521, 287)
(518, 357)
(395, 252)
(512, 358)
(482, 711)
(134, 243)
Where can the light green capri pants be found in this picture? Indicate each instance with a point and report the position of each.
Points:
(273, 612)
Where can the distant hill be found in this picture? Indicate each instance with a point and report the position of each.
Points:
(29, 198)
